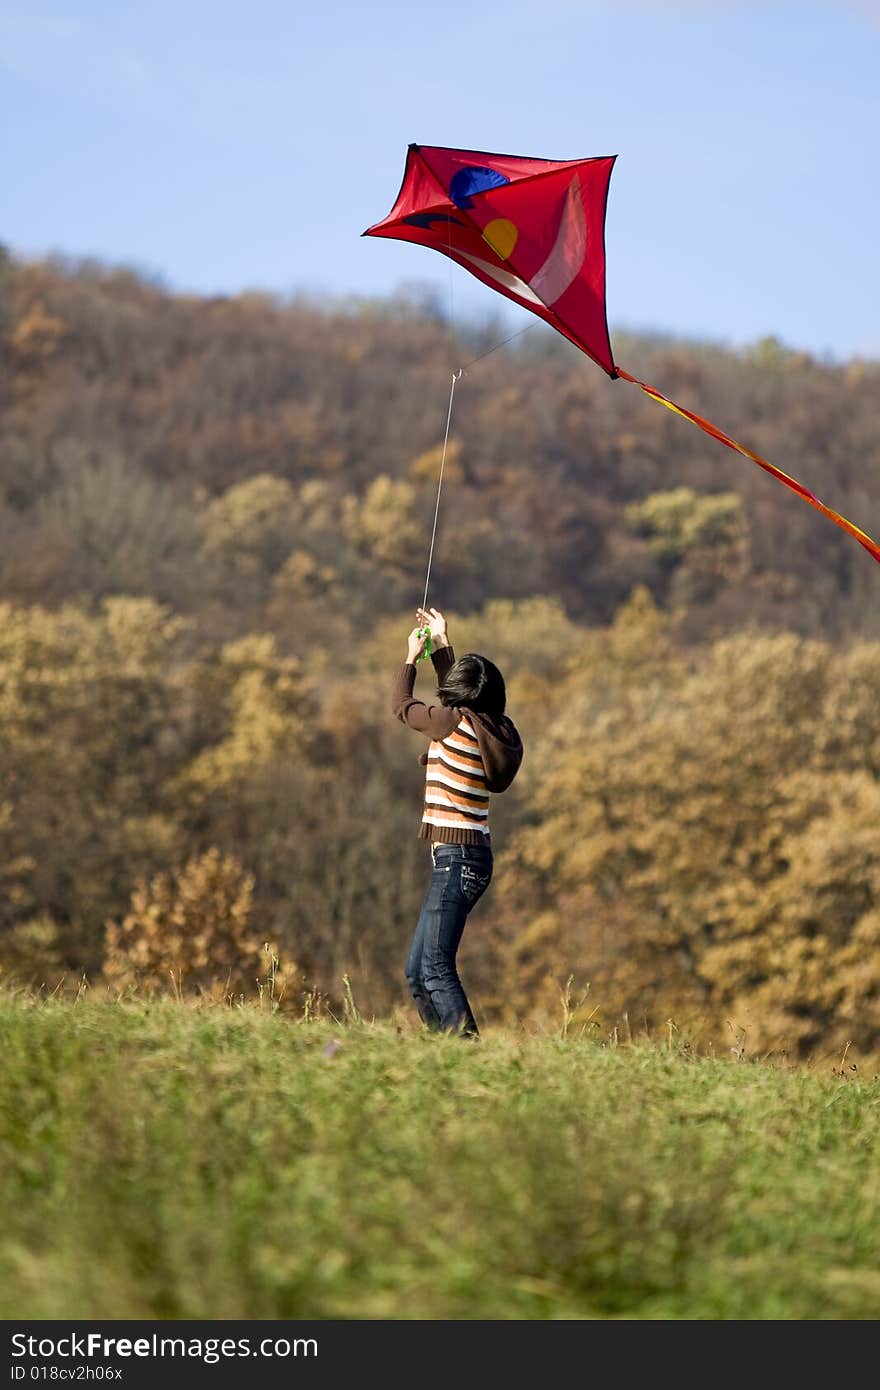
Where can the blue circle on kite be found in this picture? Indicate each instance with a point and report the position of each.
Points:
(474, 178)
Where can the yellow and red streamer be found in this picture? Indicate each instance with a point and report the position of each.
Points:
(714, 432)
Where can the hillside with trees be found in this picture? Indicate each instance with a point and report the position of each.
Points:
(214, 517)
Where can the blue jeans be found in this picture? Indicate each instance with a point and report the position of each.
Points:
(460, 878)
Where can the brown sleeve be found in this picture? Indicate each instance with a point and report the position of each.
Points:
(436, 721)
(443, 659)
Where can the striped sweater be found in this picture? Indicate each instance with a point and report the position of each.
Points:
(456, 794)
(470, 755)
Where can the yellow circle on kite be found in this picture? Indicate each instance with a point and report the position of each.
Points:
(501, 236)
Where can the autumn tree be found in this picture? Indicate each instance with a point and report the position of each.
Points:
(191, 930)
(90, 728)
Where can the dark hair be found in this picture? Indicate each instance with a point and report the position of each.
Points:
(475, 682)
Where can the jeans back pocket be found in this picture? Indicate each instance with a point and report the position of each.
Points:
(474, 882)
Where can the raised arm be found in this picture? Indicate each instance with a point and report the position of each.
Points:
(435, 721)
(443, 659)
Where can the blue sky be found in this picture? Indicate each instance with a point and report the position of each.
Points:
(228, 146)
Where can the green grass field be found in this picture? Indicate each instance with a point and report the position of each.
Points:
(171, 1161)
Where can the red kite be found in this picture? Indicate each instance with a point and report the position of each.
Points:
(534, 230)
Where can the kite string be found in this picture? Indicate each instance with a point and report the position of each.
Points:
(456, 376)
(504, 341)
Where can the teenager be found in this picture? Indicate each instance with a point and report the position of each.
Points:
(474, 750)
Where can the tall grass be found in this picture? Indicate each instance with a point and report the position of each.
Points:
(160, 1160)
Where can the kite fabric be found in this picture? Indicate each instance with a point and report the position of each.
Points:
(534, 231)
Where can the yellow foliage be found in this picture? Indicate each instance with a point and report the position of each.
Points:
(703, 537)
(250, 526)
(89, 728)
(267, 718)
(681, 521)
(691, 851)
(31, 953)
(302, 576)
(36, 336)
(189, 930)
(426, 466)
(383, 524)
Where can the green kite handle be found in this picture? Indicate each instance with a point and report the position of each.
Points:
(426, 649)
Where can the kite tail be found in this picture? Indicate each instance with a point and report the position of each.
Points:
(708, 428)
